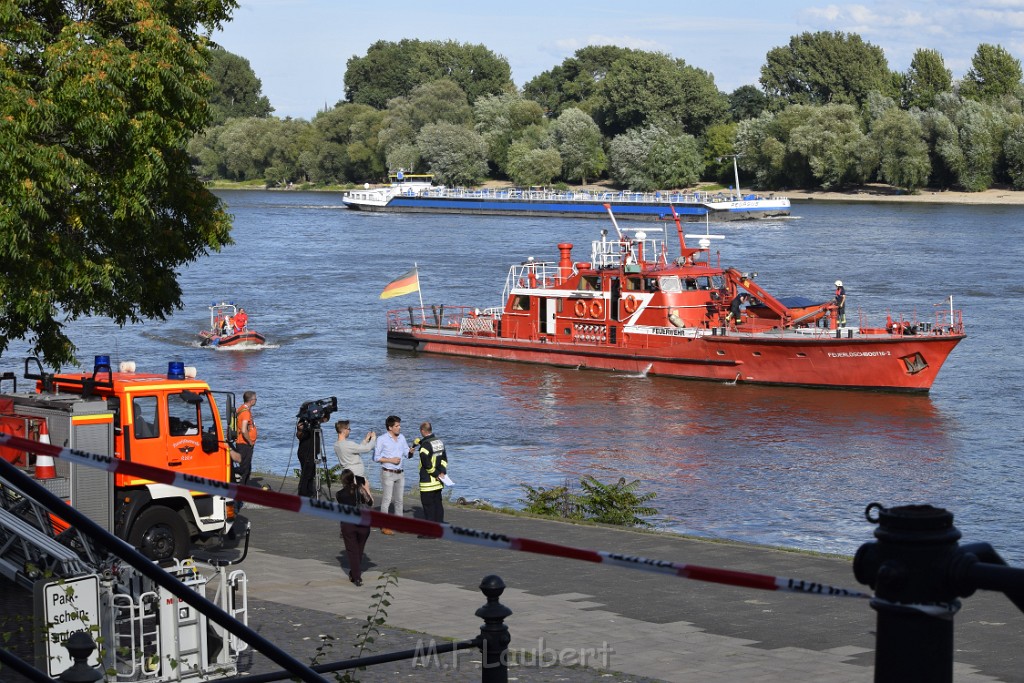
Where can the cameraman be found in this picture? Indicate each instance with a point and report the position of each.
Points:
(306, 433)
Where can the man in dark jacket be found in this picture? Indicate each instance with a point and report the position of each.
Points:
(433, 465)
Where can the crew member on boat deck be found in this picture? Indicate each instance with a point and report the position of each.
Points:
(241, 319)
(734, 308)
(226, 327)
(840, 304)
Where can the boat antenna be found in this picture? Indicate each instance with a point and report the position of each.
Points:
(679, 229)
(608, 208)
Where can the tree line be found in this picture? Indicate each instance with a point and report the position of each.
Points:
(827, 113)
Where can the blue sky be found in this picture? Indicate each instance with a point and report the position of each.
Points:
(298, 48)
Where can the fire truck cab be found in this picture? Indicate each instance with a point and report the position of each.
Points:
(171, 421)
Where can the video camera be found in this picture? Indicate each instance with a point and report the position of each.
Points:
(315, 412)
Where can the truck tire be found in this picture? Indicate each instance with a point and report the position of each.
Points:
(160, 533)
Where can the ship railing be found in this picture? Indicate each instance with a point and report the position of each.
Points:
(580, 196)
(605, 253)
(531, 275)
(454, 319)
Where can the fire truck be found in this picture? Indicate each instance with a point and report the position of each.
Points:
(172, 421)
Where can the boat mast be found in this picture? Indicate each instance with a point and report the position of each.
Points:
(735, 171)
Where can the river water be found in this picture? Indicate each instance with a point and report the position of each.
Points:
(780, 466)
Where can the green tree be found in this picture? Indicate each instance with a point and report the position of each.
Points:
(528, 166)
(747, 102)
(580, 145)
(765, 150)
(994, 73)
(719, 146)
(441, 101)
(347, 147)
(500, 119)
(1013, 148)
(971, 145)
(575, 82)
(646, 159)
(926, 78)
(237, 93)
(650, 88)
(99, 206)
(903, 151)
(390, 70)
(835, 145)
(454, 154)
(824, 68)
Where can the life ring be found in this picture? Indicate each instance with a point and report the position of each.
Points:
(596, 309)
(630, 304)
(580, 308)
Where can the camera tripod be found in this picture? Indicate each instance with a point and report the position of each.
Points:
(322, 479)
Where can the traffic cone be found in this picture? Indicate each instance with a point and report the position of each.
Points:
(44, 463)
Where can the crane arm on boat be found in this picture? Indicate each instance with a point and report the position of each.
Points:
(737, 279)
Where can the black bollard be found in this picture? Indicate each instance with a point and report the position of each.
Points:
(908, 567)
(494, 635)
(80, 646)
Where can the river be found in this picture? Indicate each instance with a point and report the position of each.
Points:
(780, 466)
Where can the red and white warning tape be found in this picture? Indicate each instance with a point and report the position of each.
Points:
(363, 517)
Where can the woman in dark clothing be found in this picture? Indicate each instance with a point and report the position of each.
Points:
(354, 535)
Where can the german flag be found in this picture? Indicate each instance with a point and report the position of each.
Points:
(404, 284)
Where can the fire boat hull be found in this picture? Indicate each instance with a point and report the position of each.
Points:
(885, 363)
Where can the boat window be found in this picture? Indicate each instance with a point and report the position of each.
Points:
(591, 283)
(521, 303)
(669, 283)
(632, 284)
(703, 283)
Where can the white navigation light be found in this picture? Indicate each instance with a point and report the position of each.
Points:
(366, 186)
(641, 235)
(704, 243)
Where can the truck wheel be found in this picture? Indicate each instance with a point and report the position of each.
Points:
(160, 534)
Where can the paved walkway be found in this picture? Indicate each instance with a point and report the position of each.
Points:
(636, 624)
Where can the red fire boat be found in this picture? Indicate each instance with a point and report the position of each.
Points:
(632, 309)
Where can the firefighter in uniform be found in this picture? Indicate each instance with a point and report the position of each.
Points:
(433, 464)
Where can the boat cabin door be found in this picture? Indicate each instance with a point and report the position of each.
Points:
(546, 316)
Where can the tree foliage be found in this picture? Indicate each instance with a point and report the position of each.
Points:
(826, 68)
(969, 137)
(454, 154)
(237, 92)
(390, 70)
(994, 73)
(835, 145)
(441, 101)
(926, 78)
(646, 159)
(747, 102)
(580, 145)
(575, 82)
(903, 151)
(650, 88)
(99, 205)
(501, 119)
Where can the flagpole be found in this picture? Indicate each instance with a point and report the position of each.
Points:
(423, 313)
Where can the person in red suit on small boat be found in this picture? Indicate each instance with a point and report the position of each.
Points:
(241, 319)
